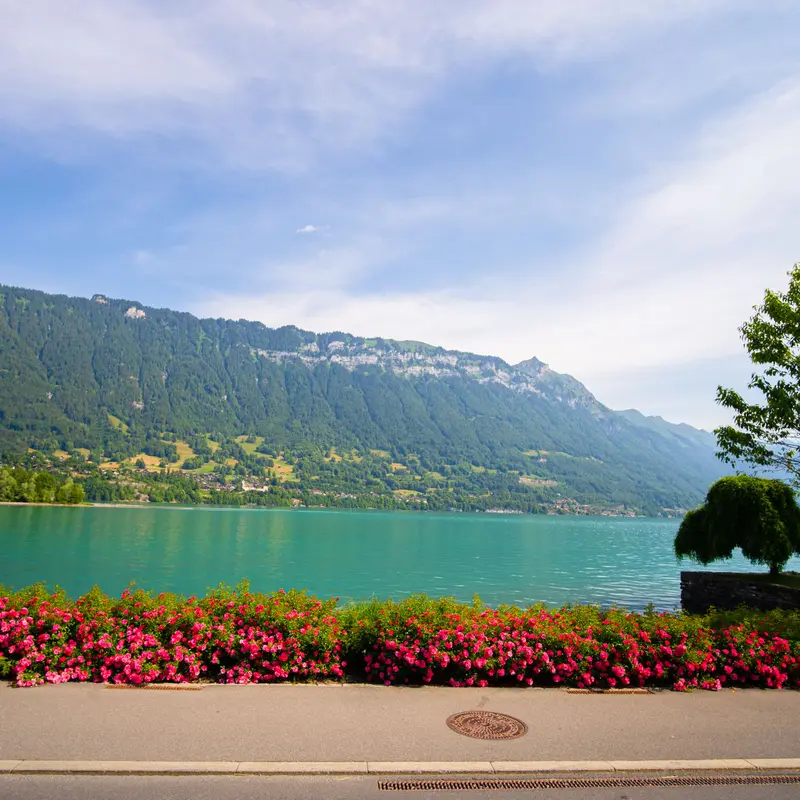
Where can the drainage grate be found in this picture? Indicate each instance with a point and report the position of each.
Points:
(487, 725)
(486, 784)
(164, 687)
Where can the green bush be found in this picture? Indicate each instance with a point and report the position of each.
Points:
(758, 515)
(239, 636)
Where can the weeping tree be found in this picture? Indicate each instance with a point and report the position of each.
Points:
(758, 515)
(766, 434)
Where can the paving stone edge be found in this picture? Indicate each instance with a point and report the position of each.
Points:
(38, 767)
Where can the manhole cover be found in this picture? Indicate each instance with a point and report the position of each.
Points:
(487, 725)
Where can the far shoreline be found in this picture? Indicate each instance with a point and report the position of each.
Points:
(209, 506)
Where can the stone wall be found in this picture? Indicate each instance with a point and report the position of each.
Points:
(700, 590)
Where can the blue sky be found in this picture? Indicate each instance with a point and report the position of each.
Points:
(607, 186)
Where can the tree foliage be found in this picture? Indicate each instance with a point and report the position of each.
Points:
(767, 434)
(18, 485)
(83, 379)
(758, 515)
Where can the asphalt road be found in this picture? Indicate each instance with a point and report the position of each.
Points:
(331, 788)
(356, 723)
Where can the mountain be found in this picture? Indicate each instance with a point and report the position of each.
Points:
(116, 381)
(682, 435)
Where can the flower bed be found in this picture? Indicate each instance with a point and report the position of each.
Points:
(236, 636)
(226, 637)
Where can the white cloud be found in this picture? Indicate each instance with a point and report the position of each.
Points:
(329, 269)
(143, 257)
(690, 254)
(739, 180)
(277, 83)
(615, 353)
(708, 225)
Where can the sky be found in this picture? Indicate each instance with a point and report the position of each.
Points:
(609, 187)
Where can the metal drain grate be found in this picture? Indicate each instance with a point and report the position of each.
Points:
(487, 784)
(164, 687)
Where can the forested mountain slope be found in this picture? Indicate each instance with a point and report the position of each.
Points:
(115, 378)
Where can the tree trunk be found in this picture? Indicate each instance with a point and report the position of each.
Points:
(774, 571)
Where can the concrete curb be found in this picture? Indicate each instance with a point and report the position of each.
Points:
(31, 767)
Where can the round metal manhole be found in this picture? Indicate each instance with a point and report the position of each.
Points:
(487, 725)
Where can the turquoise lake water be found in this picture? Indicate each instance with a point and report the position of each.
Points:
(348, 554)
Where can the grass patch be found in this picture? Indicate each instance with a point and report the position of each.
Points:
(184, 451)
(116, 422)
(407, 493)
(282, 470)
(151, 463)
(533, 480)
(249, 447)
(435, 476)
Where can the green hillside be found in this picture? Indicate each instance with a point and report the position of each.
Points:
(123, 394)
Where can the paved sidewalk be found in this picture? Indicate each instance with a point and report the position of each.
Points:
(353, 723)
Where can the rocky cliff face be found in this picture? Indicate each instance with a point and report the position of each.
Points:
(415, 359)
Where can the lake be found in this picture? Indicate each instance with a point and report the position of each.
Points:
(350, 554)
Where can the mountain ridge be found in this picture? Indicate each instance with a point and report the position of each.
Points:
(71, 365)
